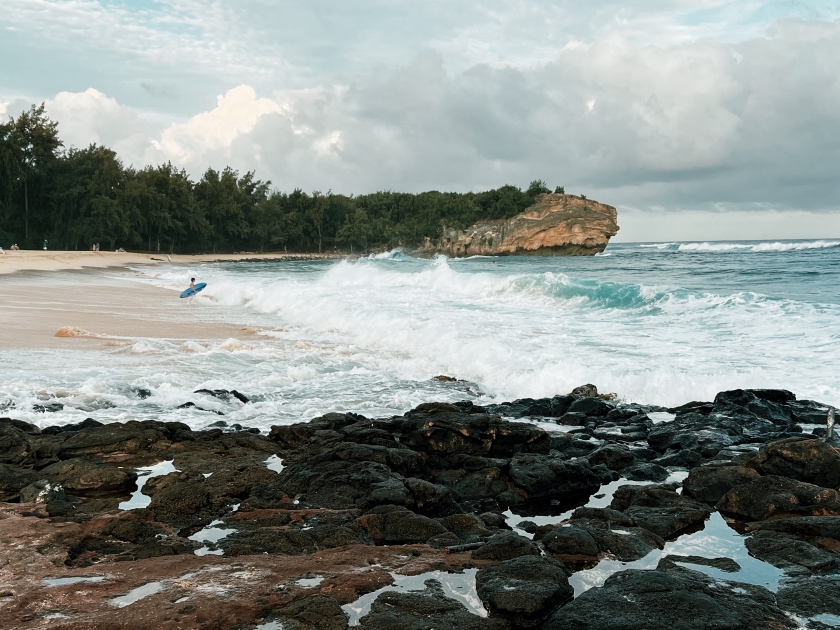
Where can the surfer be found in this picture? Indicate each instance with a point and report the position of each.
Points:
(192, 284)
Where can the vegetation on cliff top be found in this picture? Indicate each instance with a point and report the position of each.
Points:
(77, 197)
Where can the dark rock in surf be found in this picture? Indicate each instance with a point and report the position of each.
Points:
(524, 590)
(311, 613)
(811, 596)
(659, 509)
(544, 478)
(48, 408)
(42, 491)
(505, 546)
(626, 543)
(468, 527)
(398, 525)
(774, 496)
(645, 471)
(670, 598)
(808, 526)
(591, 407)
(81, 477)
(224, 394)
(709, 483)
(429, 609)
(12, 479)
(570, 541)
(727, 565)
(790, 553)
(586, 391)
(804, 459)
(613, 456)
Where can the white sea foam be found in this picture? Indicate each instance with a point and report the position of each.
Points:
(368, 336)
(719, 246)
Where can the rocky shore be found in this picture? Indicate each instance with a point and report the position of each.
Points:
(556, 225)
(449, 516)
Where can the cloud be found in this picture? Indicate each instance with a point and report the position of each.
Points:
(212, 132)
(175, 56)
(700, 125)
(91, 117)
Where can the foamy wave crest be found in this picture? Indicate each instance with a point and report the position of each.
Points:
(394, 254)
(769, 246)
(660, 245)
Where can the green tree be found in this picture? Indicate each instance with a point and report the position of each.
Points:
(537, 187)
(91, 202)
(35, 146)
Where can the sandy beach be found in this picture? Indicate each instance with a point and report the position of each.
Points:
(84, 306)
(38, 260)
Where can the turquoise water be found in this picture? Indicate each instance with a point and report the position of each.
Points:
(657, 323)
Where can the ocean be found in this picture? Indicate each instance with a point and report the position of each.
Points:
(658, 323)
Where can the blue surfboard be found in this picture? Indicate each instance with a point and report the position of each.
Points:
(189, 292)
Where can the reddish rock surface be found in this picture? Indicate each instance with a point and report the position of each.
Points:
(560, 225)
(206, 592)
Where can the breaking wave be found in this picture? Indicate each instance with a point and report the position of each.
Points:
(769, 246)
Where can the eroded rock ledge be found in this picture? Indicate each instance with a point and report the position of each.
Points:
(361, 500)
(556, 225)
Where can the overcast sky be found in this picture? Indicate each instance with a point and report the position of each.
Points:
(698, 120)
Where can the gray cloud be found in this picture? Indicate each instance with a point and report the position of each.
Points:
(700, 124)
(694, 125)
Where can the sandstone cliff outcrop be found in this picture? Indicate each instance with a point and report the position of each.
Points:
(556, 225)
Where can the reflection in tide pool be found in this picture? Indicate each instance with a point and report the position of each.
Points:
(274, 463)
(457, 586)
(211, 534)
(716, 540)
(600, 499)
(72, 580)
(138, 499)
(137, 594)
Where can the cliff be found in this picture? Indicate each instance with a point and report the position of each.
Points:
(556, 225)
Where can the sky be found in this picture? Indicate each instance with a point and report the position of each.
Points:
(698, 120)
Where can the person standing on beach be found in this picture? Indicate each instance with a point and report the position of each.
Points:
(45, 244)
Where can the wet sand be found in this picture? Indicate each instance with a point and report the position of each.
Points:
(94, 304)
(39, 260)
(96, 308)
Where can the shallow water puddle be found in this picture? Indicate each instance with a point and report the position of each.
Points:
(211, 534)
(716, 540)
(661, 416)
(138, 499)
(72, 580)
(309, 582)
(602, 498)
(457, 586)
(274, 463)
(137, 594)
(829, 620)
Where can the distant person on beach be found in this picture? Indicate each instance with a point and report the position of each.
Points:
(14, 248)
(1, 251)
(45, 244)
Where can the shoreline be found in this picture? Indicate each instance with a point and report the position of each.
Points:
(39, 260)
(88, 307)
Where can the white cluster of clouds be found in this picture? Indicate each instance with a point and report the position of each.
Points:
(704, 124)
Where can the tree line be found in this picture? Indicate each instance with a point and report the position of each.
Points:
(76, 197)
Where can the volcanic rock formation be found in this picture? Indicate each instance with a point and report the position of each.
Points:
(556, 225)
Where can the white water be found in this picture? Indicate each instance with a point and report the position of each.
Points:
(660, 326)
